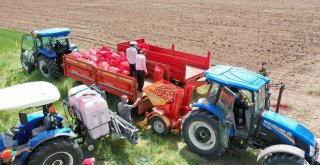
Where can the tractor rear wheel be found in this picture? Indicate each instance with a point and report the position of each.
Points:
(283, 159)
(159, 126)
(58, 151)
(48, 67)
(200, 130)
(26, 66)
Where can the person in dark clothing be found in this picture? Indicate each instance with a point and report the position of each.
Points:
(263, 71)
(239, 105)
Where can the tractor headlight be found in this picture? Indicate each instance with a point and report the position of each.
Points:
(311, 150)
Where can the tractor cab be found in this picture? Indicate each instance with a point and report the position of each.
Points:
(239, 95)
(43, 49)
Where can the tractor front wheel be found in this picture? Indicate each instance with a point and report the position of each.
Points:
(200, 130)
(60, 151)
(283, 159)
(159, 126)
(48, 67)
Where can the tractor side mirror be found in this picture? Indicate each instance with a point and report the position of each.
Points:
(23, 118)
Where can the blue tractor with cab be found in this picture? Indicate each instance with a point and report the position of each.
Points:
(211, 128)
(43, 49)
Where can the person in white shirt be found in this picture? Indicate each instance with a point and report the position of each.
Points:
(141, 69)
(131, 54)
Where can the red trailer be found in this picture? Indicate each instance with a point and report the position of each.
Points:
(184, 67)
(111, 82)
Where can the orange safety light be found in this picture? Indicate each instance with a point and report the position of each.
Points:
(35, 35)
(52, 110)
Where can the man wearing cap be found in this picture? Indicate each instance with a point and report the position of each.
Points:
(141, 69)
(7, 155)
(131, 54)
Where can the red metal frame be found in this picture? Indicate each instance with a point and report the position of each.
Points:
(176, 60)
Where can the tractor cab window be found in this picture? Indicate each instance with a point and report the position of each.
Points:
(260, 98)
(27, 42)
(225, 101)
(213, 93)
(46, 41)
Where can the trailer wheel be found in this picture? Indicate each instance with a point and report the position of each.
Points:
(77, 83)
(200, 130)
(159, 126)
(58, 151)
(27, 67)
(48, 67)
(283, 159)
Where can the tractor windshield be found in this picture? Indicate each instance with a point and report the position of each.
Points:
(61, 41)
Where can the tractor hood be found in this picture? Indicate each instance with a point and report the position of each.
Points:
(28, 95)
(287, 128)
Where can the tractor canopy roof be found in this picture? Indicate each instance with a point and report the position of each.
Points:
(32, 94)
(53, 32)
(236, 77)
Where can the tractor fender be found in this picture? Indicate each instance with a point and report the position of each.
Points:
(281, 148)
(47, 135)
(50, 54)
(164, 118)
(204, 104)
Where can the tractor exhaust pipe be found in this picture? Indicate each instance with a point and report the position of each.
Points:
(282, 87)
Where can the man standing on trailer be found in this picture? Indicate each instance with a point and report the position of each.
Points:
(131, 54)
(141, 68)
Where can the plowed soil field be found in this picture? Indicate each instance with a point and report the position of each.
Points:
(284, 33)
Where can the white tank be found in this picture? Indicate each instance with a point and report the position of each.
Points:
(93, 109)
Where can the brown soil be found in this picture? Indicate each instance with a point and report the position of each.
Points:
(285, 33)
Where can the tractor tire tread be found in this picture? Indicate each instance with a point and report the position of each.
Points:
(283, 158)
(52, 66)
(60, 143)
(204, 114)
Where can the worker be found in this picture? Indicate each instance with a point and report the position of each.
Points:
(131, 54)
(7, 155)
(263, 71)
(124, 109)
(239, 105)
(141, 68)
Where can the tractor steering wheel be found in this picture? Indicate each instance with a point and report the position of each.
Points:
(17, 130)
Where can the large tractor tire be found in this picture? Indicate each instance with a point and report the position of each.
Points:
(27, 67)
(200, 130)
(58, 151)
(48, 67)
(283, 159)
(159, 126)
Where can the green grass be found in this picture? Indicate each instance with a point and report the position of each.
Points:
(160, 150)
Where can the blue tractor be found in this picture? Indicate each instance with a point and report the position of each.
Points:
(40, 136)
(43, 49)
(212, 127)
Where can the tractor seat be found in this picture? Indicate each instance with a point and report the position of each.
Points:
(43, 128)
(7, 140)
